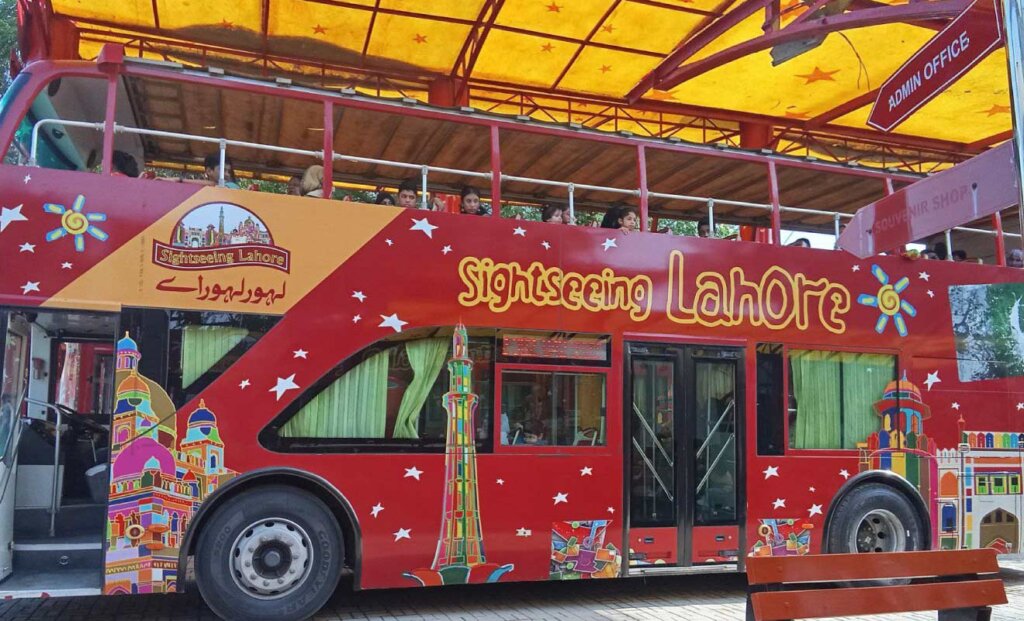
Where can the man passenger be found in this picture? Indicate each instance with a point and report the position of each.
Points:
(408, 194)
(704, 228)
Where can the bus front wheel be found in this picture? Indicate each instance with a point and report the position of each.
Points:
(874, 517)
(273, 552)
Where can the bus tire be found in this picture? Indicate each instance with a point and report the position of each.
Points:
(874, 517)
(273, 552)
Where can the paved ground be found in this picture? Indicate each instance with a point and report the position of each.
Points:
(688, 598)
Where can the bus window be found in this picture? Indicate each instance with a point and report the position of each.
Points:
(391, 392)
(552, 408)
(770, 400)
(834, 395)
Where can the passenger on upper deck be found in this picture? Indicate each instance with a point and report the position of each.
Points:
(1015, 258)
(211, 164)
(553, 214)
(384, 198)
(704, 228)
(625, 218)
(313, 182)
(295, 185)
(470, 203)
(124, 164)
(408, 194)
(567, 217)
(803, 242)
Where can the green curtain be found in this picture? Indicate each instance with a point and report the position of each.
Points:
(864, 379)
(354, 406)
(815, 378)
(426, 356)
(203, 346)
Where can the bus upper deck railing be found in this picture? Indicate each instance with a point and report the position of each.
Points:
(425, 169)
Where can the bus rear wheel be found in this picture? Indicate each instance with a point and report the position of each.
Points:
(273, 552)
(875, 518)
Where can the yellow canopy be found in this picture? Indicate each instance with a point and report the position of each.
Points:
(577, 61)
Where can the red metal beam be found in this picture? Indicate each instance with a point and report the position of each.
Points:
(641, 171)
(773, 191)
(843, 109)
(980, 145)
(495, 172)
(156, 16)
(328, 183)
(836, 23)
(474, 44)
(369, 32)
(579, 49)
(677, 7)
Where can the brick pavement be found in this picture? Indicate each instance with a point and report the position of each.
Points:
(683, 598)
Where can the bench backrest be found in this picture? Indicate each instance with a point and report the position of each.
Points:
(851, 567)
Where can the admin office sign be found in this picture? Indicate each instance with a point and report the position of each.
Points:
(965, 42)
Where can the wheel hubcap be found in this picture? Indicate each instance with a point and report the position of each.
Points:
(271, 558)
(879, 531)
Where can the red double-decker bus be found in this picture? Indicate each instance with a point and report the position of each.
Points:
(278, 390)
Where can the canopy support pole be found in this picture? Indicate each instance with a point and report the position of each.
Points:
(641, 175)
(1012, 10)
(773, 190)
(328, 185)
(495, 172)
(997, 224)
(109, 119)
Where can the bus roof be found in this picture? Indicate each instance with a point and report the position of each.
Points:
(700, 70)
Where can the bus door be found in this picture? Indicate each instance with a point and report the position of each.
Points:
(13, 389)
(684, 447)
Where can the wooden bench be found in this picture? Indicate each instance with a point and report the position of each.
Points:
(959, 584)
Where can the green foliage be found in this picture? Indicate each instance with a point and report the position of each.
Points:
(8, 39)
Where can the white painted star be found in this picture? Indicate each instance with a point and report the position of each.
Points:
(611, 509)
(780, 503)
(392, 321)
(356, 319)
(10, 215)
(560, 497)
(413, 472)
(546, 245)
(377, 508)
(359, 295)
(844, 473)
(27, 179)
(523, 532)
(300, 353)
(66, 265)
(403, 533)
(933, 378)
(1020, 406)
(446, 250)
(520, 231)
(29, 286)
(283, 385)
(244, 384)
(500, 481)
(814, 510)
(810, 489)
(609, 243)
(930, 293)
(855, 268)
(923, 276)
(586, 471)
(955, 406)
(421, 224)
(389, 242)
(770, 471)
(27, 247)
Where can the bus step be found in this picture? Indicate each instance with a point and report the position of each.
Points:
(69, 583)
(72, 520)
(58, 553)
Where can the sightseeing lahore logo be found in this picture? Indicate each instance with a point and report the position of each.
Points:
(220, 235)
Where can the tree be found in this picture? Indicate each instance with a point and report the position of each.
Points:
(8, 39)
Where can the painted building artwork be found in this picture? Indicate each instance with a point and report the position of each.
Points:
(157, 479)
(987, 330)
(782, 537)
(460, 557)
(220, 224)
(579, 551)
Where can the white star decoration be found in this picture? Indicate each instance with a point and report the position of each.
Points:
(611, 509)
(586, 471)
(780, 503)
(770, 471)
(29, 286)
(933, 378)
(930, 293)
(389, 242)
(244, 384)
(27, 179)
(520, 231)
(500, 481)
(65, 265)
(560, 497)
(283, 385)
(844, 473)
(814, 510)
(377, 508)
(810, 489)
(403, 533)
(359, 295)
(523, 532)
(855, 268)
(1020, 406)
(356, 318)
(546, 245)
(955, 406)
(392, 321)
(423, 225)
(609, 243)
(27, 247)
(446, 250)
(300, 353)
(10, 215)
(413, 472)
(923, 276)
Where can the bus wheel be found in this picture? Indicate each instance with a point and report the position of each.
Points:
(274, 552)
(875, 518)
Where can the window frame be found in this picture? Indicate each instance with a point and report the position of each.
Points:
(572, 369)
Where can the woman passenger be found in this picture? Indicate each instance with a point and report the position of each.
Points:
(384, 198)
(471, 204)
(625, 218)
(553, 214)
(313, 181)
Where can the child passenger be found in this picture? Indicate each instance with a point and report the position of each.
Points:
(471, 204)
(553, 214)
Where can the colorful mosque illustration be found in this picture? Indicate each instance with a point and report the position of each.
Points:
(460, 557)
(155, 489)
(974, 488)
(198, 230)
